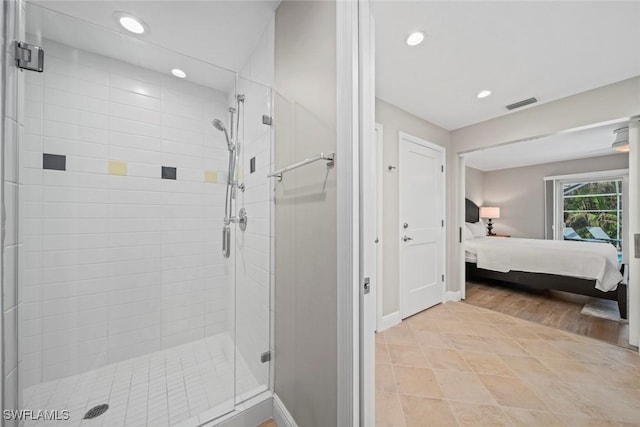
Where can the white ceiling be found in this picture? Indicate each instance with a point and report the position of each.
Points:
(190, 35)
(549, 50)
(566, 146)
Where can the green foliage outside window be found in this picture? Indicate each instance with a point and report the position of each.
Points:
(594, 204)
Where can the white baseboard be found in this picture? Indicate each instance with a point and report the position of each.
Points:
(389, 321)
(453, 296)
(281, 414)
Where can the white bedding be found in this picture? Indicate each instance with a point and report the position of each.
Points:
(586, 260)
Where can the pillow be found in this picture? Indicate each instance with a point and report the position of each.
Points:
(468, 235)
(477, 229)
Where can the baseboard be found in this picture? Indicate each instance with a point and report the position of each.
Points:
(389, 321)
(453, 296)
(281, 415)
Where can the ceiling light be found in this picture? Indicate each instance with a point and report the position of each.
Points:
(130, 23)
(415, 39)
(483, 94)
(178, 73)
(621, 143)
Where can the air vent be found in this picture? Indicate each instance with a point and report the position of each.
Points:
(521, 103)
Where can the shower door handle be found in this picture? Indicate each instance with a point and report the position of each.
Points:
(226, 241)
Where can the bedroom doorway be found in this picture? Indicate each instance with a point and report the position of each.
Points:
(422, 213)
(543, 187)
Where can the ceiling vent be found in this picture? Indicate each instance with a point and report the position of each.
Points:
(522, 103)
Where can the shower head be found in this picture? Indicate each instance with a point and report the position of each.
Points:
(217, 123)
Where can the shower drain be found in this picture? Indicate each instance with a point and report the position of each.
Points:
(96, 411)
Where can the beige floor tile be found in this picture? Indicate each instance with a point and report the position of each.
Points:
(471, 415)
(518, 331)
(528, 418)
(491, 369)
(576, 420)
(486, 363)
(486, 329)
(417, 381)
(573, 370)
(560, 397)
(468, 342)
(542, 348)
(455, 327)
(400, 334)
(506, 346)
(605, 403)
(385, 381)
(529, 368)
(431, 339)
(382, 354)
(388, 410)
(407, 355)
(426, 412)
(423, 323)
(512, 392)
(463, 387)
(445, 359)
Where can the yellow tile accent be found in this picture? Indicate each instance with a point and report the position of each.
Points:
(117, 168)
(211, 177)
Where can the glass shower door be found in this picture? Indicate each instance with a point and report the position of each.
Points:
(254, 244)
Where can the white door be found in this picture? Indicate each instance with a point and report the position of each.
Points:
(422, 250)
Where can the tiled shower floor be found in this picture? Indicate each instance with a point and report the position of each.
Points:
(188, 384)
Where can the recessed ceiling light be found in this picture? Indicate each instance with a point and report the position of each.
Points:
(131, 23)
(179, 73)
(483, 94)
(415, 39)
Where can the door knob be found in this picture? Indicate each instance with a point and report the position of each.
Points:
(405, 238)
(405, 225)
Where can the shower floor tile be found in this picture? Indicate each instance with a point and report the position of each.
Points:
(164, 388)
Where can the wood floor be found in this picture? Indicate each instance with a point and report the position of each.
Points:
(551, 308)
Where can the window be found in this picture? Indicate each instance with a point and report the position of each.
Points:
(592, 211)
(588, 208)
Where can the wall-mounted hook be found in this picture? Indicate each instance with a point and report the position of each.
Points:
(391, 167)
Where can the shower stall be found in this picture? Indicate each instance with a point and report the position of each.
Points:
(141, 230)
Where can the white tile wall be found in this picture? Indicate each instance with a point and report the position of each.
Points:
(118, 266)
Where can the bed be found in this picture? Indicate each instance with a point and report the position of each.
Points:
(582, 268)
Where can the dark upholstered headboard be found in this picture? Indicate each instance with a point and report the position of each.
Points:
(471, 211)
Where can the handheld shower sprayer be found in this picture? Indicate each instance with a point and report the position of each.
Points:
(217, 123)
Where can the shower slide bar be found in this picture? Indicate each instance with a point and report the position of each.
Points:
(329, 157)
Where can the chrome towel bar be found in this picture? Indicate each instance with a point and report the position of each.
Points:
(329, 157)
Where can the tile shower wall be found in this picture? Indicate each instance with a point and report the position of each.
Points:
(253, 263)
(122, 247)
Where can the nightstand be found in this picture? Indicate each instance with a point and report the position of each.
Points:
(500, 235)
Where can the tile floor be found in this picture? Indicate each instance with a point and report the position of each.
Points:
(184, 385)
(460, 365)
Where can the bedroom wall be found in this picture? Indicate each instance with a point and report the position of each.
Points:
(396, 120)
(519, 192)
(474, 185)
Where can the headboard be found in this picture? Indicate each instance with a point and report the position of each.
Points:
(471, 211)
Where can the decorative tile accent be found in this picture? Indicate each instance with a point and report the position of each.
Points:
(169, 172)
(117, 168)
(252, 165)
(211, 177)
(54, 162)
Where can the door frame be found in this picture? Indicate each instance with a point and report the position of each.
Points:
(443, 212)
(379, 210)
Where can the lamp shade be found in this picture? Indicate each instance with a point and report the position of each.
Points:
(490, 212)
